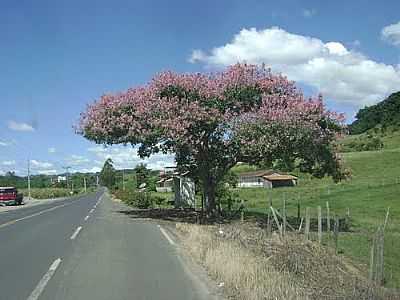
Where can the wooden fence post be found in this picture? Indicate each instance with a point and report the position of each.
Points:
(270, 201)
(319, 225)
(242, 211)
(372, 261)
(277, 221)
(336, 233)
(376, 270)
(328, 218)
(301, 224)
(284, 216)
(386, 219)
(269, 229)
(298, 207)
(307, 227)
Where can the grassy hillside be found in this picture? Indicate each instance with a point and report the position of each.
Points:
(373, 188)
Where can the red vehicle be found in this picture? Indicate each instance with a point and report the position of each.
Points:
(10, 195)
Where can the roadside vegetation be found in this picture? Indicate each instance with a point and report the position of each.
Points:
(248, 264)
(49, 193)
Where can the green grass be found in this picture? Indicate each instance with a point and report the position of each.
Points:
(373, 188)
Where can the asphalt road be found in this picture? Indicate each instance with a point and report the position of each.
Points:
(85, 248)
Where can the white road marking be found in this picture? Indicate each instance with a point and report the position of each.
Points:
(74, 235)
(45, 279)
(92, 210)
(33, 215)
(166, 235)
(87, 217)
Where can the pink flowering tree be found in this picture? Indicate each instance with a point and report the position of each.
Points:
(213, 121)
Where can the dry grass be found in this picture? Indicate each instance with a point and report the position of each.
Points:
(253, 266)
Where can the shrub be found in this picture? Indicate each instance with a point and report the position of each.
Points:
(137, 199)
(47, 193)
(143, 200)
(368, 143)
(159, 200)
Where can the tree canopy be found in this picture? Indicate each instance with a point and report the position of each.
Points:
(212, 121)
(107, 174)
(385, 114)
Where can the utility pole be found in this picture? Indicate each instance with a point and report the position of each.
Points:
(97, 180)
(29, 179)
(84, 183)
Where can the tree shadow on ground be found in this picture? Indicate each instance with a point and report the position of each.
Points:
(191, 216)
(185, 215)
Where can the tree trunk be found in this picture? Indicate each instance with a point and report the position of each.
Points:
(209, 186)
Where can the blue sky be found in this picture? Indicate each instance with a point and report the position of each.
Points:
(58, 56)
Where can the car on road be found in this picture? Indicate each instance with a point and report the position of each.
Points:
(10, 196)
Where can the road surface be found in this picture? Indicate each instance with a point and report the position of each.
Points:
(85, 248)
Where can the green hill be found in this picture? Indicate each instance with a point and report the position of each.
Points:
(384, 114)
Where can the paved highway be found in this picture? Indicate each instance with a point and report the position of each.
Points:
(85, 248)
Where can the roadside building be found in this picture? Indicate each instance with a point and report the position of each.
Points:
(165, 185)
(61, 179)
(182, 186)
(266, 179)
(185, 191)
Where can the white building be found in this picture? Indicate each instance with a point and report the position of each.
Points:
(266, 179)
(61, 178)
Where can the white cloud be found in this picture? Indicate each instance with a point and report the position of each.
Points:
(89, 170)
(51, 150)
(40, 165)
(20, 126)
(340, 74)
(77, 160)
(4, 144)
(197, 55)
(391, 34)
(8, 163)
(308, 13)
(47, 172)
(127, 157)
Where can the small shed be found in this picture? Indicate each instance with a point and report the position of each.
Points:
(184, 188)
(165, 185)
(266, 179)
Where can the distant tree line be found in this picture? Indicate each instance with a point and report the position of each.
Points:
(75, 180)
(384, 114)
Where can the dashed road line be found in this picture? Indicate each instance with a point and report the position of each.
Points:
(91, 211)
(87, 217)
(166, 235)
(76, 232)
(33, 215)
(45, 279)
